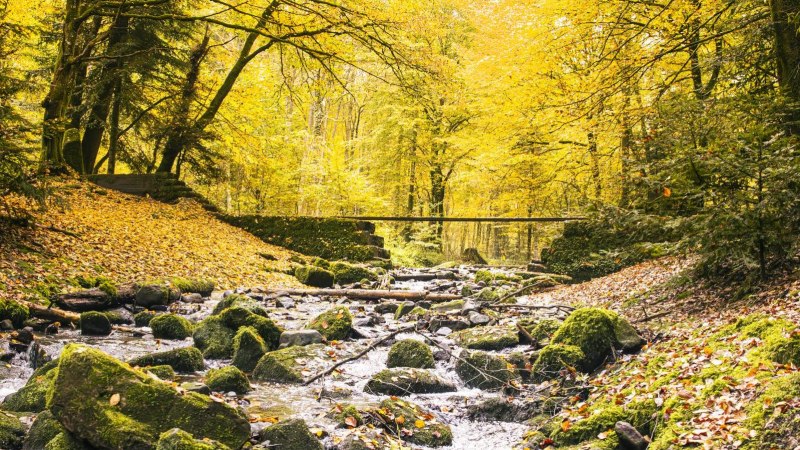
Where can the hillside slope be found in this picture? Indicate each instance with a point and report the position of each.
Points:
(92, 231)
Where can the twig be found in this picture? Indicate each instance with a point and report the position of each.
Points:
(654, 316)
(58, 230)
(531, 339)
(562, 307)
(369, 348)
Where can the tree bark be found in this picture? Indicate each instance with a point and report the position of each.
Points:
(785, 15)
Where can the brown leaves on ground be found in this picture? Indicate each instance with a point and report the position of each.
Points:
(129, 238)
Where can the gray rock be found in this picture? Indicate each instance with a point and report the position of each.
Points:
(155, 294)
(444, 331)
(629, 437)
(290, 434)
(257, 296)
(192, 298)
(285, 302)
(479, 319)
(386, 308)
(291, 338)
(6, 325)
(405, 381)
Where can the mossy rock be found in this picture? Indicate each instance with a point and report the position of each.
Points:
(345, 273)
(66, 441)
(177, 439)
(341, 414)
(596, 332)
(193, 286)
(151, 294)
(314, 276)
(484, 276)
(248, 348)
(164, 372)
(291, 434)
(319, 262)
(94, 323)
(214, 338)
(602, 418)
(186, 359)
(405, 381)
(170, 326)
(287, 364)
(227, 379)
(334, 324)
(431, 434)
(119, 316)
(13, 311)
(12, 431)
(241, 301)
(143, 318)
(446, 307)
(110, 405)
(43, 430)
(482, 370)
(32, 396)
(236, 317)
(488, 294)
(410, 353)
(554, 358)
(540, 329)
(487, 337)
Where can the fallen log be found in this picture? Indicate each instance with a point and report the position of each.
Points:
(94, 299)
(369, 294)
(423, 276)
(54, 314)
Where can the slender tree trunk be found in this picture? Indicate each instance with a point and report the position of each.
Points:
(785, 15)
(113, 135)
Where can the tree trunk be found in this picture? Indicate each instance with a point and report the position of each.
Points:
(113, 137)
(787, 54)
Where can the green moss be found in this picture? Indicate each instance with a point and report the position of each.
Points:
(451, 306)
(95, 323)
(487, 337)
(164, 372)
(554, 358)
(432, 434)
(291, 434)
(227, 379)
(314, 276)
(177, 439)
(32, 396)
(596, 332)
(236, 317)
(484, 276)
(240, 301)
(186, 359)
(142, 319)
(488, 294)
(775, 429)
(66, 441)
(784, 350)
(170, 326)
(248, 348)
(193, 286)
(281, 366)
(541, 329)
(334, 324)
(319, 262)
(110, 405)
(12, 431)
(214, 338)
(345, 273)
(485, 371)
(410, 353)
(43, 430)
(342, 412)
(13, 311)
(405, 381)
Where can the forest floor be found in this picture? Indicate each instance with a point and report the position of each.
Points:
(91, 231)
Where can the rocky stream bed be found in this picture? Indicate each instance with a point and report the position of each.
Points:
(464, 373)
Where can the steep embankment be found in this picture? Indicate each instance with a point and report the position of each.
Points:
(88, 230)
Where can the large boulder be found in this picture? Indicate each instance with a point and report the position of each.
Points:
(148, 295)
(66, 441)
(488, 337)
(406, 381)
(170, 326)
(482, 370)
(290, 434)
(186, 359)
(143, 318)
(334, 324)
(410, 353)
(95, 323)
(215, 335)
(32, 396)
(43, 430)
(555, 358)
(12, 431)
(346, 273)
(248, 348)
(227, 379)
(414, 424)
(597, 332)
(177, 439)
(314, 276)
(291, 364)
(110, 405)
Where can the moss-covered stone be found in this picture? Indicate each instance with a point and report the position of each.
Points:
(484, 276)
(345, 273)
(314, 276)
(110, 405)
(334, 324)
(214, 338)
(236, 317)
(95, 323)
(602, 418)
(32, 396)
(13, 311)
(347, 416)
(320, 262)
(488, 294)
(170, 326)
(287, 364)
(164, 372)
(406, 381)
(12, 431)
(177, 439)
(448, 307)
(554, 358)
(431, 434)
(193, 286)
(596, 332)
(410, 353)
(186, 359)
(143, 318)
(240, 301)
(248, 348)
(541, 329)
(487, 337)
(291, 434)
(43, 430)
(782, 348)
(151, 294)
(66, 441)
(482, 370)
(227, 379)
